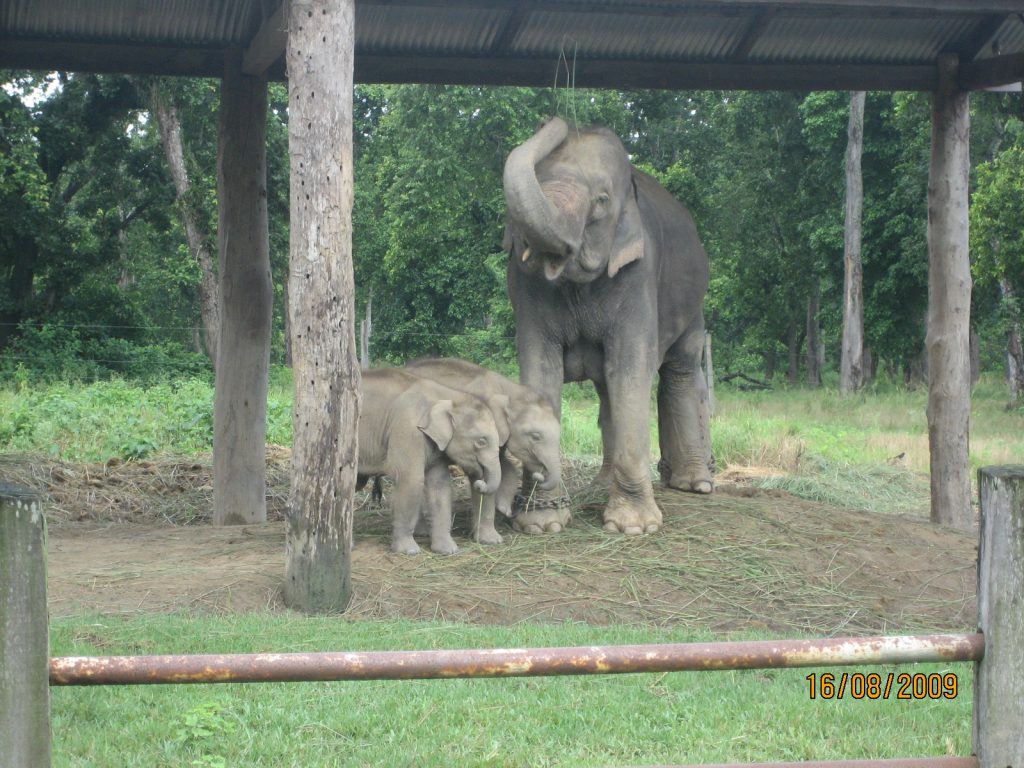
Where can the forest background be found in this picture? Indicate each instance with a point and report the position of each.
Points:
(108, 221)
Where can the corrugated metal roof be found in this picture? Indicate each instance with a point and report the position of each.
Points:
(627, 43)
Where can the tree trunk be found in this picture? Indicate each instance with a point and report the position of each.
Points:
(949, 301)
(246, 291)
(322, 306)
(793, 345)
(709, 373)
(813, 345)
(769, 365)
(851, 370)
(166, 115)
(365, 332)
(999, 676)
(1014, 350)
(24, 633)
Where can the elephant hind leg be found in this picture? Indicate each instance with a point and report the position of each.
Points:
(684, 417)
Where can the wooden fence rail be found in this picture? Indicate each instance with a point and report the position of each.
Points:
(997, 650)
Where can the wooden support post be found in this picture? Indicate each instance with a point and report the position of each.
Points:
(24, 642)
(999, 682)
(322, 306)
(949, 302)
(246, 292)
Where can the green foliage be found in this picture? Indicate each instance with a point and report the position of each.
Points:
(91, 239)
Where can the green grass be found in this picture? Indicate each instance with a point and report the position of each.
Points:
(690, 717)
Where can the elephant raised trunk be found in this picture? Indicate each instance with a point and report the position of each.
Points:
(544, 224)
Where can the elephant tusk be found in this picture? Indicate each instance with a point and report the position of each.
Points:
(526, 254)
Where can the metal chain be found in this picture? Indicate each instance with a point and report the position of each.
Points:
(521, 504)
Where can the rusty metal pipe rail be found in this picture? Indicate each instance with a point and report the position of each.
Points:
(891, 762)
(535, 662)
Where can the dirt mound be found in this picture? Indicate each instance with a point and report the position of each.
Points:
(741, 559)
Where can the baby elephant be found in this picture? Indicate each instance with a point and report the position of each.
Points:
(533, 436)
(412, 429)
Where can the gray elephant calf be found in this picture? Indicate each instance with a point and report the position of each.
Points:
(533, 436)
(412, 429)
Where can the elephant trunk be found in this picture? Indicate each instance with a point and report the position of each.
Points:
(488, 484)
(544, 225)
(552, 480)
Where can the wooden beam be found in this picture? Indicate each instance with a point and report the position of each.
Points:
(246, 295)
(974, 45)
(268, 44)
(989, 73)
(755, 29)
(321, 304)
(949, 302)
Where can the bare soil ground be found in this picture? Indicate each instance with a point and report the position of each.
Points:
(128, 538)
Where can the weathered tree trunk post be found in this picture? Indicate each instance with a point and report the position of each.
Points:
(949, 301)
(851, 363)
(709, 373)
(999, 680)
(322, 306)
(813, 336)
(24, 639)
(246, 292)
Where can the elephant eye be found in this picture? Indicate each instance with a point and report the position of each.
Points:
(481, 442)
(535, 436)
(600, 206)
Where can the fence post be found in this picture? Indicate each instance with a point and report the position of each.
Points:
(24, 641)
(999, 682)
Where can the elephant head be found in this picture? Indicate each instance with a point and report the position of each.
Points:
(534, 440)
(572, 204)
(467, 434)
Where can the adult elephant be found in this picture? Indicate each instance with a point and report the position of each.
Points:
(607, 278)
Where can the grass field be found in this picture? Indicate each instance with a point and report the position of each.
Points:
(573, 721)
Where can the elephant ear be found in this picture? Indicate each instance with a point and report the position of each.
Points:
(439, 423)
(499, 405)
(629, 235)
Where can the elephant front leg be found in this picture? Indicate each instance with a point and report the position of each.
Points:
(683, 417)
(541, 368)
(631, 507)
(505, 497)
(406, 508)
(481, 518)
(439, 504)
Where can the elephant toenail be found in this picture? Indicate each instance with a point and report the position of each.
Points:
(554, 528)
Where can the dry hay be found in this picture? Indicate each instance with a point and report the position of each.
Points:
(741, 559)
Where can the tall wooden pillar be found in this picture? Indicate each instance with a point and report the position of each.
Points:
(998, 685)
(24, 634)
(246, 292)
(321, 305)
(949, 301)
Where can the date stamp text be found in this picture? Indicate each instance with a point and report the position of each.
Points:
(903, 685)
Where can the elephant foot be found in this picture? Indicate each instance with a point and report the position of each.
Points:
(693, 478)
(485, 536)
(405, 546)
(444, 546)
(542, 515)
(632, 517)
